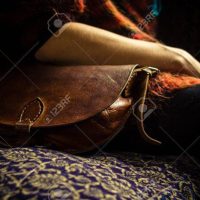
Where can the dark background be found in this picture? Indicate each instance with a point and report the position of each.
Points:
(179, 25)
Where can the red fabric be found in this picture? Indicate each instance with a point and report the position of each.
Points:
(122, 18)
(166, 83)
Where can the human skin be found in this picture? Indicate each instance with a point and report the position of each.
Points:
(80, 44)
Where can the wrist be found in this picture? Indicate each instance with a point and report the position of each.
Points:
(182, 61)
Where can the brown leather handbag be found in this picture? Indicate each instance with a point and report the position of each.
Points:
(73, 108)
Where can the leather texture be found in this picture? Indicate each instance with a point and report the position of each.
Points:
(73, 108)
(91, 89)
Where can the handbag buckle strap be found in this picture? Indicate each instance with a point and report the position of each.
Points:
(152, 71)
(140, 110)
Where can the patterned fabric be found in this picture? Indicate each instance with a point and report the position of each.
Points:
(37, 173)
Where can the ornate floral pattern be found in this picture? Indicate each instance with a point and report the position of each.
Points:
(37, 173)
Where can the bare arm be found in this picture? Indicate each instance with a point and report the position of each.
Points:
(80, 44)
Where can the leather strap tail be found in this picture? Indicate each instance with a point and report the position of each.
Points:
(139, 108)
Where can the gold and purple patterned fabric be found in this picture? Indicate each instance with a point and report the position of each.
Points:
(38, 173)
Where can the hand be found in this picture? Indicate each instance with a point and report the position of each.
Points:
(188, 64)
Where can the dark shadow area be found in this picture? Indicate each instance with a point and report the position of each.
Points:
(179, 25)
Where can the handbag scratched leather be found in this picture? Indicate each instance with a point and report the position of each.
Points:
(73, 108)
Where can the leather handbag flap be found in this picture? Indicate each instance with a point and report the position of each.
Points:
(46, 96)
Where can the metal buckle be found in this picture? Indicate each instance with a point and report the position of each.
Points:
(152, 71)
